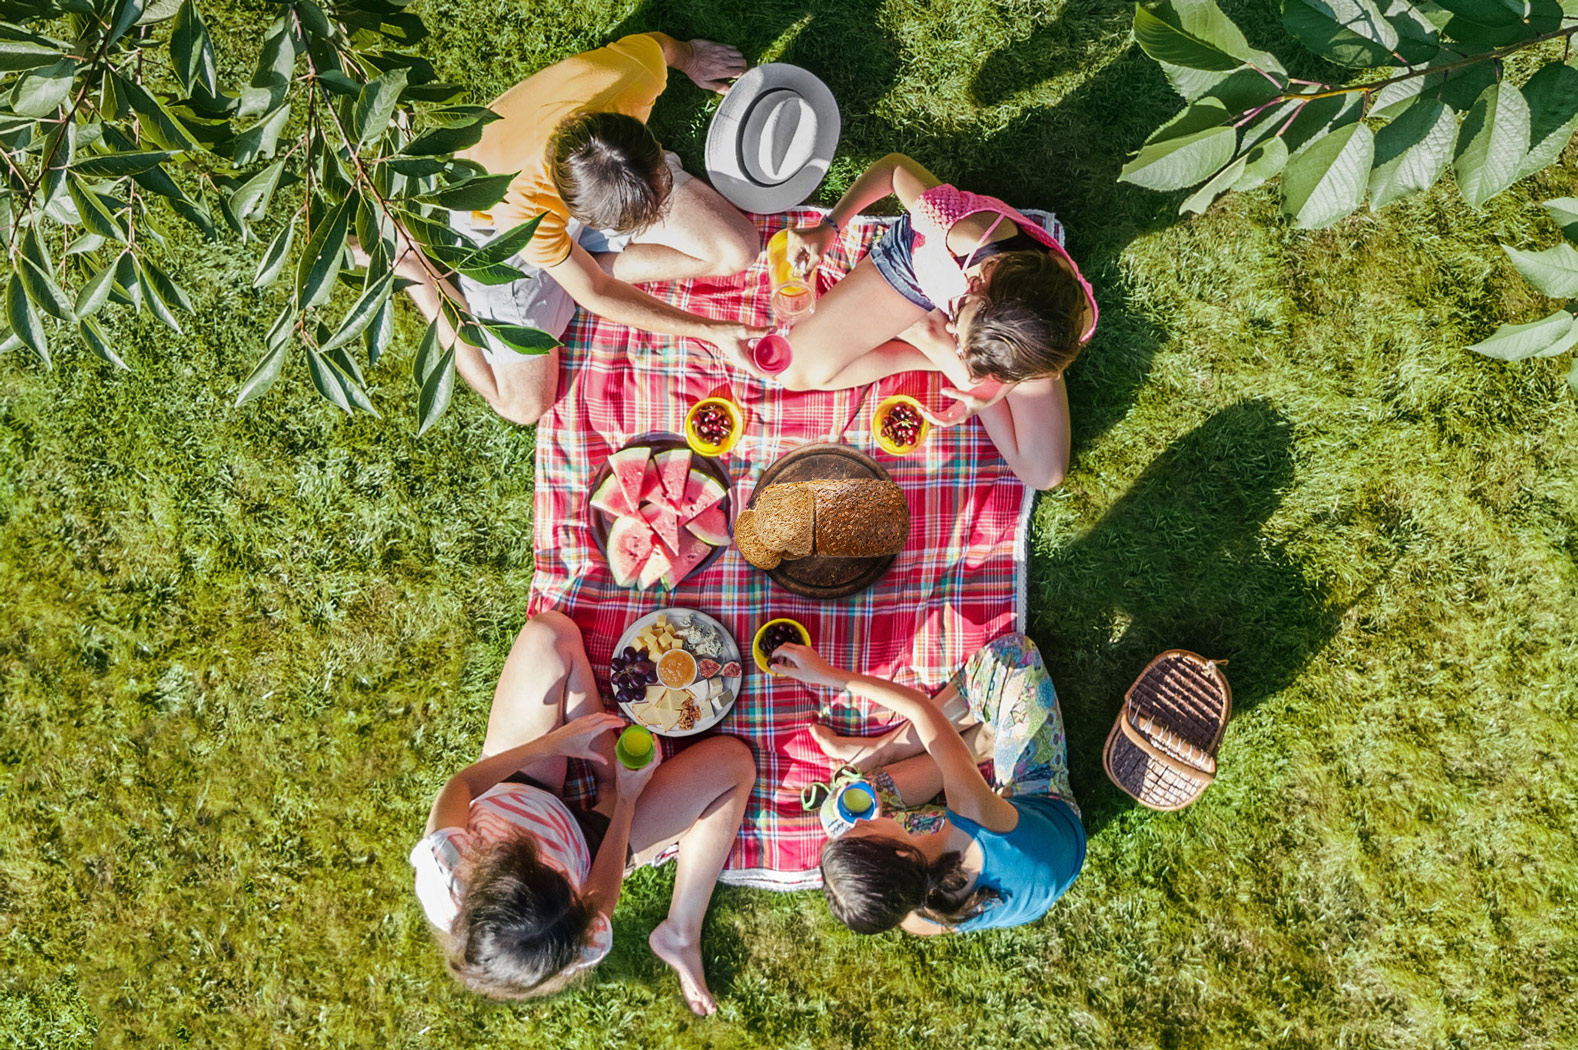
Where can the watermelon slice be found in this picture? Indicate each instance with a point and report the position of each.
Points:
(610, 499)
(691, 553)
(674, 466)
(657, 567)
(710, 526)
(664, 522)
(701, 491)
(629, 466)
(630, 542)
(651, 485)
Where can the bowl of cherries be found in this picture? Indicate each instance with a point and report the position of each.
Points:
(631, 672)
(772, 634)
(713, 426)
(899, 426)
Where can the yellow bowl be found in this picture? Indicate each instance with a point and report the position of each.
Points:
(756, 643)
(881, 414)
(736, 427)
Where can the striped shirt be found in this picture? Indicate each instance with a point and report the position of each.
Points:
(503, 812)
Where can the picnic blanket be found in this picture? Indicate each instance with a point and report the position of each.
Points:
(958, 583)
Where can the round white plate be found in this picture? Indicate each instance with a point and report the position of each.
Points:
(731, 682)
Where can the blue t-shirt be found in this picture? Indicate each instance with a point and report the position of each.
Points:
(1029, 867)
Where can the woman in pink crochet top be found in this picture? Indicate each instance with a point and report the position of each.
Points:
(964, 285)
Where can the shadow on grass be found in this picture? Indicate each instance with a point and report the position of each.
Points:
(1180, 561)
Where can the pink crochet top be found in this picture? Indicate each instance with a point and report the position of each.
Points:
(939, 275)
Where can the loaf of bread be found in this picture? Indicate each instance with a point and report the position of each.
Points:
(849, 518)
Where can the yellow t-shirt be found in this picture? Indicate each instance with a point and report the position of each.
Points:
(625, 77)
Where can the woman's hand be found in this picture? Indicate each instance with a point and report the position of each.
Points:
(968, 402)
(807, 244)
(713, 66)
(629, 783)
(734, 341)
(803, 664)
(576, 739)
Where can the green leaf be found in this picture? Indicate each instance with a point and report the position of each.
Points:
(1197, 116)
(444, 141)
(261, 139)
(1265, 161)
(1572, 378)
(126, 13)
(23, 319)
(1197, 35)
(263, 374)
(156, 302)
(1552, 95)
(1352, 32)
(251, 199)
(1412, 151)
(1317, 119)
(42, 289)
(320, 262)
(1493, 142)
(274, 259)
(1514, 342)
(128, 286)
(271, 78)
(327, 380)
(90, 333)
(313, 20)
(1418, 38)
(1553, 271)
(94, 214)
(379, 332)
(168, 290)
(1393, 99)
(1487, 12)
(1220, 183)
(43, 91)
(17, 55)
(1461, 88)
(476, 194)
(115, 165)
(426, 356)
(436, 390)
(522, 340)
(361, 312)
(95, 292)
(1181, 162)
(191, 52)
(157, 122)
(1327, 181)
(376, 105)
(504, 247)
(1565, 211)
(1475, 34)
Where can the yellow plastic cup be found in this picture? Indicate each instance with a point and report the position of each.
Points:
(756, 643)
(880, 416)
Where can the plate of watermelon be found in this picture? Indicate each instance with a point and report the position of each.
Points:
(659, 513)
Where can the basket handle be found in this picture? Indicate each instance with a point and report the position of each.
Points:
(1136, 734)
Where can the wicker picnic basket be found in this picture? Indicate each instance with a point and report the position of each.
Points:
(1162, 748)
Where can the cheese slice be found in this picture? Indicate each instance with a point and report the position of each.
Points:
(676, 698)
(642, 712)
(655, 693)
(666, 719)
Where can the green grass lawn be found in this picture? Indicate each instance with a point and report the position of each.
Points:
(240, 649)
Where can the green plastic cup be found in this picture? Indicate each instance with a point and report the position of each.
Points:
(634, 748)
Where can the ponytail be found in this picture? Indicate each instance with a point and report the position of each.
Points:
(872, 884)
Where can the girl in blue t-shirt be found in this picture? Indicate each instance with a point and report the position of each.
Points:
(1002, 853)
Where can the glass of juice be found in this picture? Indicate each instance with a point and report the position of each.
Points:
(794, 292)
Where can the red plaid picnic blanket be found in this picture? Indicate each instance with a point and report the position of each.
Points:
(958, 583)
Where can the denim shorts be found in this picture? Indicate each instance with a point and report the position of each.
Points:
(894, 258)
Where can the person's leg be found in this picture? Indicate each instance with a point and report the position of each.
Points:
(851, 338)
(697, 799)
(547, 681)
(700, 235)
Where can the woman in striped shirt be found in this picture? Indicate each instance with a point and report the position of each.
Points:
(518, 886)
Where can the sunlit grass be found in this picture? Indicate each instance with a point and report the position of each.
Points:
(239, 649)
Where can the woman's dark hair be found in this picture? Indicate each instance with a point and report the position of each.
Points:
(520, 924)
(1030, 321)
(609, 171)
(872, 883)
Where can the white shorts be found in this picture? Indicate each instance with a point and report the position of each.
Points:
(537, 300)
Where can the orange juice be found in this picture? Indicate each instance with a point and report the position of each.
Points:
(794, 293)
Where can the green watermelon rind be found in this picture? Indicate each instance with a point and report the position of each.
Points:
(697, 527)
(604, 498)
(632, 564)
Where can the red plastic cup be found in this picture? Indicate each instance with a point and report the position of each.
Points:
(772, 354)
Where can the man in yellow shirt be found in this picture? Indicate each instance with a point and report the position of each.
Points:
(617, 211)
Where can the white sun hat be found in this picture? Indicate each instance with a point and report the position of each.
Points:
(772, 138)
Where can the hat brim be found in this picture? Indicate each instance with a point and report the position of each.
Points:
(723, 155)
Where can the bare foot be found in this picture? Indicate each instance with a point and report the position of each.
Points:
(685, 958)
(843, 748)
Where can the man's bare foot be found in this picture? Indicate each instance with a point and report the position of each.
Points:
(844, 748)
(685, 958)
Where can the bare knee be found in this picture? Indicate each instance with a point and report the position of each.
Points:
(733, 760)
(552, 631)
(735, 249)
(524, 407)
